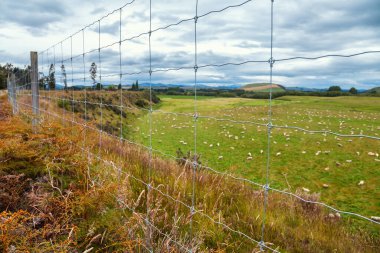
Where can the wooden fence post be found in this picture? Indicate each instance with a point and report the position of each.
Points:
(35, 91)
(13, 93)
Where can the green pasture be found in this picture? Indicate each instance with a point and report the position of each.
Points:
(228, 140)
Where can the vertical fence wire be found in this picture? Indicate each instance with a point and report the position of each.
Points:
(100, 92)
(269, 131)
(121, 89)
(54, 81)
(72, 84)
(195, 159)
(63, 81)
(48, 81)
(85, 89)
(149, 196)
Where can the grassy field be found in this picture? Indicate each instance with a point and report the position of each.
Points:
(328, 165)
(80, 199)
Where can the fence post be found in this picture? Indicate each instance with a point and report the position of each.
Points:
(9, 89)
(13, 93)
(35, 91)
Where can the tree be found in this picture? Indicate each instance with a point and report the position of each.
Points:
(51, 77)
(334, 88)
(112, 87)
(93, 70)
(99, 86)
(119, 86)
(64, 76)
(353, 91)
(135, 86)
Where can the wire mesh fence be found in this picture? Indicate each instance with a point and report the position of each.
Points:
(83, 89)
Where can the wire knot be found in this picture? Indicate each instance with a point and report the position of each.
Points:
(192, 210)
(270, 125)
(271, 61)
(196, 68)
(266, 187)
(196, 19)
(150, 33)
(261, 245)
(196, 115)
(150, 72)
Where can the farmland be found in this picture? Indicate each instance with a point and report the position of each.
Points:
(99, 194)
(227, 141)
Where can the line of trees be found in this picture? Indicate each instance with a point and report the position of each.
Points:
(333, 91)
(21, 74)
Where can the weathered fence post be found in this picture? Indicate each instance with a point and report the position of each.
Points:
(9, 89)
(35, 91)
(13, 93)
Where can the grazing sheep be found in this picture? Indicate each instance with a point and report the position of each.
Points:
(361, 183)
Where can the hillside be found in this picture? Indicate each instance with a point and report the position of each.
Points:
(263, 87)
(375, 90)
(60, 193)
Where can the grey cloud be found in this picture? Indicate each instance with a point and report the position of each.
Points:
(33, 15)
(112, 29)
(98, 10)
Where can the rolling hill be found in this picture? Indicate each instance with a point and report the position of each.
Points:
(263, 87)
(375, 90)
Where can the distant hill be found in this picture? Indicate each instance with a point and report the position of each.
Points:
(375, 90)
(263, 87)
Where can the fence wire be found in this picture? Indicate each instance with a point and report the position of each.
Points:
(49, 97)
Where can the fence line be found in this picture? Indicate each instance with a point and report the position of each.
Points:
(189, 161)
(15, 91)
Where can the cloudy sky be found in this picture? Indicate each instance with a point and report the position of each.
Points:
(235, 35)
